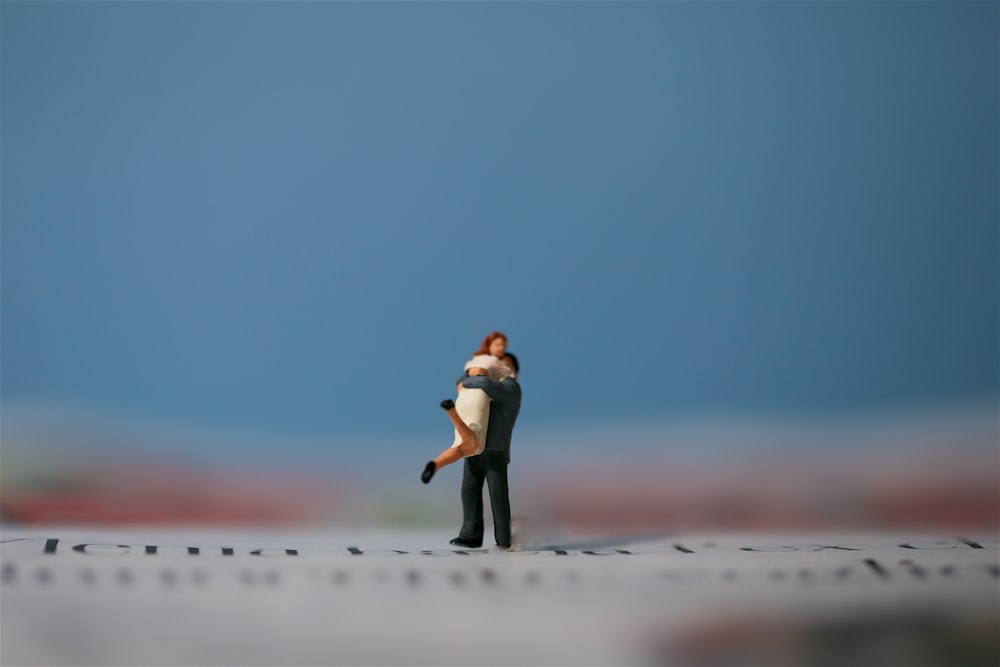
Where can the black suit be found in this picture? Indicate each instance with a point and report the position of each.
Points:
(491, 466)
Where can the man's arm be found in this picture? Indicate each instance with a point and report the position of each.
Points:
(498, 391)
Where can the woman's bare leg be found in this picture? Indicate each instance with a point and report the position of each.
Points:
(467, 446)
(448, 457)
(467, 435)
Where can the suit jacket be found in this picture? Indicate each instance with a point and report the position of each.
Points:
(505, 404)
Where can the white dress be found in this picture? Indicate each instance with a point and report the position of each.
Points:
(473, 406)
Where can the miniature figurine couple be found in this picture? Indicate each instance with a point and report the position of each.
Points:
(484, 413)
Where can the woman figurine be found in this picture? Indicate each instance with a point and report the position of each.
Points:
(470, 412)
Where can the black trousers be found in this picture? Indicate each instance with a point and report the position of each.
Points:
(489, 467)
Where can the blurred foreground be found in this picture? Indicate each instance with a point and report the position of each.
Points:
(868, 544)
(343, 597)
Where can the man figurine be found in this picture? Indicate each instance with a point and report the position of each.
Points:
(491, 465)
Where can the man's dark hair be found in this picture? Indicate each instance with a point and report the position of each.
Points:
(513, 360)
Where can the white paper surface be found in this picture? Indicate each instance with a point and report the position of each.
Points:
(78, 597)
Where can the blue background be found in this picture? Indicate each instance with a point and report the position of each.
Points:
(300, 219)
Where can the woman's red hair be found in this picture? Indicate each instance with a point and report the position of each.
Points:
(484, 347)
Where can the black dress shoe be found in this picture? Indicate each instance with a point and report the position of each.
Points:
(447, 404)
(471, 543)
(428, 472)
